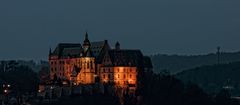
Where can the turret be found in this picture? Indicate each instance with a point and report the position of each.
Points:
(86, 43)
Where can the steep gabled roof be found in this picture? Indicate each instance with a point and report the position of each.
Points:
(88, 53)
(71, 52)
(97, 47)
(126, 58)
(64, 50)
(61, 48)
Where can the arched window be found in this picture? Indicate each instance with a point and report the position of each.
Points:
(85, 63)
(91, 65)
(103, 76)
(88, 65)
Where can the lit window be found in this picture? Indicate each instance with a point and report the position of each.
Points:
(88, 65)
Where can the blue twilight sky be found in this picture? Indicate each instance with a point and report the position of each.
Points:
(29, 27)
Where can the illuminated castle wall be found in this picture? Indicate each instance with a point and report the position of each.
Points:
(82, 64)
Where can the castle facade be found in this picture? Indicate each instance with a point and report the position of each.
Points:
(94, 62)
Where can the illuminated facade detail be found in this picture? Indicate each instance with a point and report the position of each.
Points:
(81, 65)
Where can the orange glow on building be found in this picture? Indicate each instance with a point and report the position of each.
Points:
(81, 65)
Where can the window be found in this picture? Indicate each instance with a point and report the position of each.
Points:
(109, 76)
(130, 76)
(91, 64)
(124, 76)
(87, 65)
(118, 76)
(103, 76)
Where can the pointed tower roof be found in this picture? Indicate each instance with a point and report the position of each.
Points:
(86, 41)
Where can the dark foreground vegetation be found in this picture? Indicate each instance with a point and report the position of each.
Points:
(215, 77)
(177, 63)
(167, 90)
(156, 89)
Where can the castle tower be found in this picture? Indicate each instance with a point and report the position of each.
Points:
(87, 72)
(86, 43)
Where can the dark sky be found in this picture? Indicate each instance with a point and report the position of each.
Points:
(29, 27)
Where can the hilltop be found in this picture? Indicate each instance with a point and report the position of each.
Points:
(213, 78)
(177, 63)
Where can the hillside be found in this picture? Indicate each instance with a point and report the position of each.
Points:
(178, 63)
(215, 77)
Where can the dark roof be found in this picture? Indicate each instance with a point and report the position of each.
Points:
(86, 41)
(126, 58)
(88, 53)
(97, 47)
(147, 62)
(71, 52)
(75, 49)
(64, 49)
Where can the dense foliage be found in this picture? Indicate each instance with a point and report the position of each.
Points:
(213, 78)
(178, 63)
(167, 90)
(22, 79)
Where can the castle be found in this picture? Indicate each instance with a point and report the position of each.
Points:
(97, 61)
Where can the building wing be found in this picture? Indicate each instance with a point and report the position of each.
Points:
(126, 58)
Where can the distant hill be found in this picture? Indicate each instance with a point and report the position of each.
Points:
(215, 77)
(178, 63)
